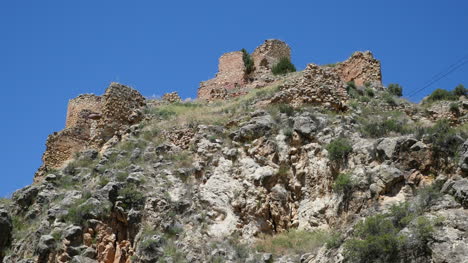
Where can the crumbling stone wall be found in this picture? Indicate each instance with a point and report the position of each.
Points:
(269, 54)
(92, 121)
(361, 67)
(121, 107)
(171, 97)
(316, 85)
(88, 102)
(232, 80)
(231, 74)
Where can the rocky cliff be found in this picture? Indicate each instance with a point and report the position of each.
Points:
(306, 168)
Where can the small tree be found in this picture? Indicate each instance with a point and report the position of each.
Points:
(395, 89)
(343, 183)
(339, 149)
(441, 94)
(460, 90)
(248, 61)
(284, 66)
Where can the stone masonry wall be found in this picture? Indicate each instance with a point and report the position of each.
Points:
(231, 74)
(231, 79)
(121, 107)
(269, 54)
(361, 67)
(171, 97)
(91, 122)
(317, 85)
(88, 102)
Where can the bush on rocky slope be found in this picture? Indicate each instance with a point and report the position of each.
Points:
(284, 66)
(339, 149)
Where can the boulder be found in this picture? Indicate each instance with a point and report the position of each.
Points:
(25, 197)
(255, 128)
(44, 247)
(306, 124)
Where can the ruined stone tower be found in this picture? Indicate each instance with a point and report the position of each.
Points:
(232, 80)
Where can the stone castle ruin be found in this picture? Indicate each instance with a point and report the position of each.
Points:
(91, 121)
(232, 79)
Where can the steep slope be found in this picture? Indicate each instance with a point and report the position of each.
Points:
(306, 169)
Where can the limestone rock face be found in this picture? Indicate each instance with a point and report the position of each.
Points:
(317, 85)
(361, 67)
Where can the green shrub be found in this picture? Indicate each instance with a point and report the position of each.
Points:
(395, 89)
(339, 149)
(401, 214)
(376, 128)
(80, 211)
(334, 240)
(343, 183)
(454, 108)
(131, 197)
(350, 85)
(292, 242)
(288, 132)
(389, 99)
(374, 240)
(445, 139)
(286, 109)
(460, 91)
(164, 114)
(427, 196)
(248, 61)
(441, 94)
(370, 92)
(284, 66)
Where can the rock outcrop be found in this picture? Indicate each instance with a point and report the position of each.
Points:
(316, 85)
(361, 68)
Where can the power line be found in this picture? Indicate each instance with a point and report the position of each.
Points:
(461, 62)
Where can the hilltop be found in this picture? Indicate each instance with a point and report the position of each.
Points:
(266, 165)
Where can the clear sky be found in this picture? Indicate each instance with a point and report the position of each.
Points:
(52, 51)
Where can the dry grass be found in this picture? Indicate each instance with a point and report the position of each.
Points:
(292, 242)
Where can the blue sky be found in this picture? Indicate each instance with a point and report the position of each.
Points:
(52, 51)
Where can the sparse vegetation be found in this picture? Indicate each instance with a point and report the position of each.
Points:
(370, 92)
(334, 240)
(292, 242)
(441, 94)
(284, 66)
(339, 149)
(454, 108)
(395, 89)
(375, 239)
(131, 197)
(460, 90)
(343, 183)
(389, 99)
(377, 127)
(248, 61)
(445, 139)
(83, 209)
